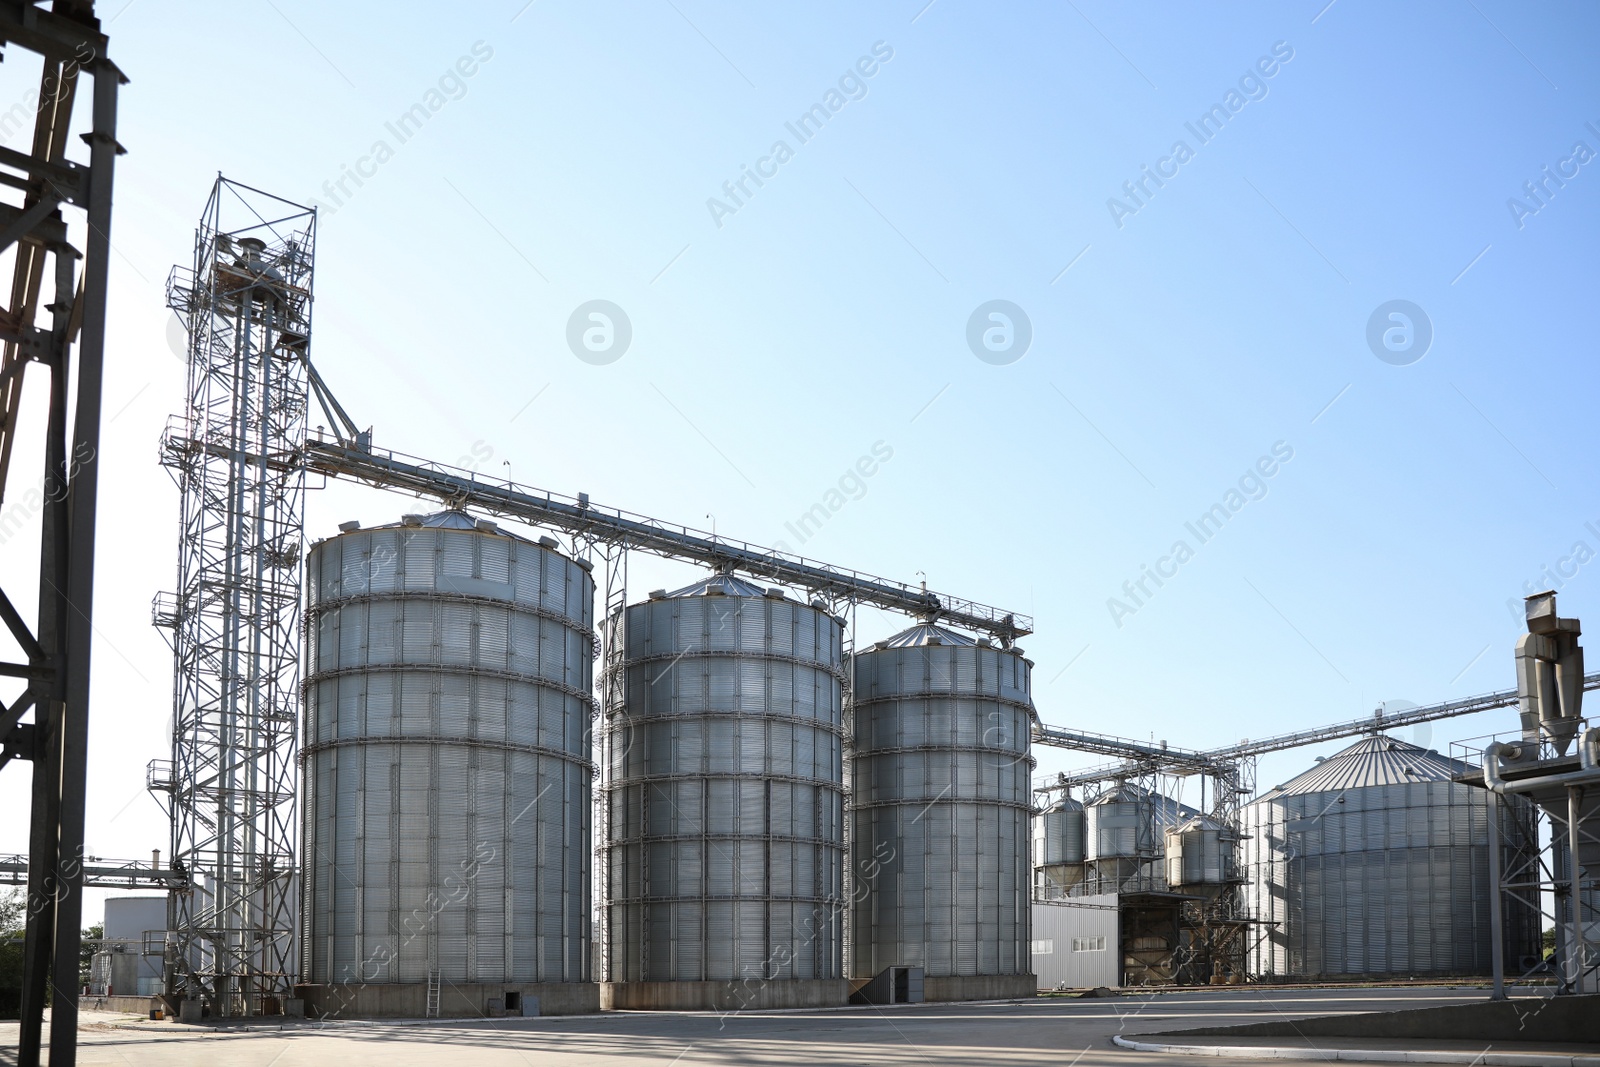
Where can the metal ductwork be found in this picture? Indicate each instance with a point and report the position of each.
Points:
(1549, 675)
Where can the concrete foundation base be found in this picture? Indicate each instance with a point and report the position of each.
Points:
(409, 1000)
(979, 987)
(743, 995)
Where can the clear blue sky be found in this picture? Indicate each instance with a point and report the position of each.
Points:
(829, 312)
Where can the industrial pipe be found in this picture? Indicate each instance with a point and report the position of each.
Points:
(1588, 765)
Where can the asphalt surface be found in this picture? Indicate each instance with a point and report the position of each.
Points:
(1057, 1030)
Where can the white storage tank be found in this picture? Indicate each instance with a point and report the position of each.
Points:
(725, 788)
(447, 772)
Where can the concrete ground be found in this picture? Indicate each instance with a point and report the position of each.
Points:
(1060, 1030)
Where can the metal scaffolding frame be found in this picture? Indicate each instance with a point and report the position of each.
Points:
(54, 261)
(235, 617)
(1549, 880)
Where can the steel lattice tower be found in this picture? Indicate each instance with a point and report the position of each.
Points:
(237, 458)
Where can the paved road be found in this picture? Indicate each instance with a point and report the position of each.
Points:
(1051, 1031)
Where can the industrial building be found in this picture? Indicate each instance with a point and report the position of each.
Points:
(1076, 942)
(398, 784)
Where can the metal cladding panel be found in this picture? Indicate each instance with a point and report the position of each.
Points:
(1119, 830)
(1387, 879)
(447, 819)
(726, 791)
(1197, 855)
(1059, 834)
(941, 812)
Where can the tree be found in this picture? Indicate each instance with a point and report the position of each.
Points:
(12, 926)
(86, 951)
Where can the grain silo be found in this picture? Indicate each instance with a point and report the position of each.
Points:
(447, 772)
(1375, 864)
(940, 812)
(1121, 836)
(1125, 833)
(726, 803)
(1058, 849)
(1201, 856)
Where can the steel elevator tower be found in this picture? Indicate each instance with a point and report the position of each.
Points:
(235, 617)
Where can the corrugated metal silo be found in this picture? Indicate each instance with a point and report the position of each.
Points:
(940, 812)
(1200, 856)
(1058, 848)
(447, 771)
(1121, 831)
(1375, 863)
(726, 803)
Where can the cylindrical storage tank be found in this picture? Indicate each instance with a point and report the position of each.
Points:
(1120, 835)
(725, 795)
(1058, 848)
(1375, 864)
(1199, 856)
(940, 812)
(447, 771)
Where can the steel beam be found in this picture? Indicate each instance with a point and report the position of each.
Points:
(579, 517)
(1352, 728)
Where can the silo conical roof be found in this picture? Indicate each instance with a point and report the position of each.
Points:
(925, 633)
(720, 585)
(1376, 760)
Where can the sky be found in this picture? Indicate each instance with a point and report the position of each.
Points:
(1281, 258)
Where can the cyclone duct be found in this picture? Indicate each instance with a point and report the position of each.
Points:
(447, 772)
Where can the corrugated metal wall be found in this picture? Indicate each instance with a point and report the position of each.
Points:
(1378, 880)
(447, 764)
(1075, 942)
(726, 793)
(941, 811)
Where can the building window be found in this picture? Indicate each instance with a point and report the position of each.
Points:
(1044, 948)
(1088, 944)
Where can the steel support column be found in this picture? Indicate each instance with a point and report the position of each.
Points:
(48, 253)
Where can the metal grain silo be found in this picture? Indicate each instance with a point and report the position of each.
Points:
(940, 812)
(1120, 835)
(726, 803)
(447, 772)
(1375, 863)
(1200, 856)
(1058, 848)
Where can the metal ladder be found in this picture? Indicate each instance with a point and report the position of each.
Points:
(612, 688)
(432, 1009)
(847, 750)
